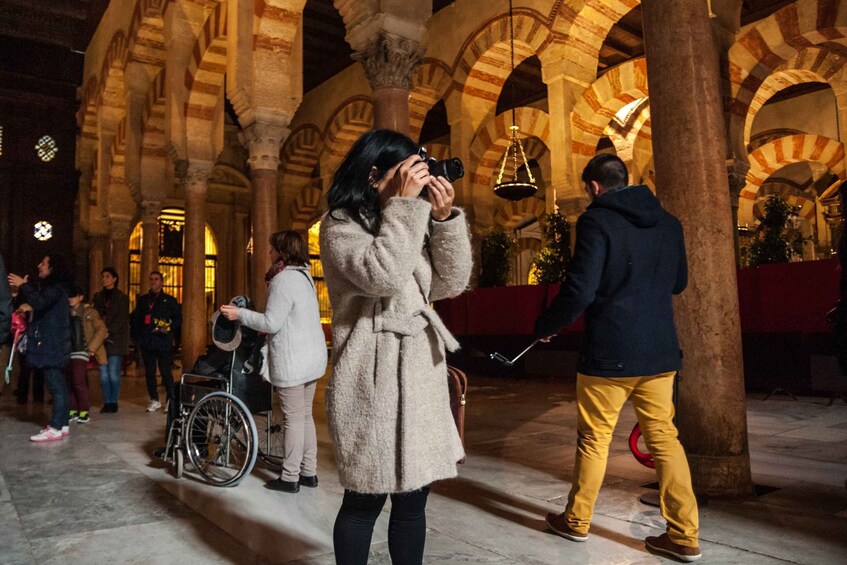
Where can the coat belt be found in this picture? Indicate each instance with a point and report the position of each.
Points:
(413, 324)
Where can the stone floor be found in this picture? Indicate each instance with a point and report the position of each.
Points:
(97, 497)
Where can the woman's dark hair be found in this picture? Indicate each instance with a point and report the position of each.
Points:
(111, 271)
(351, 189)
(291, 246)
(60, 272)
(606, 170)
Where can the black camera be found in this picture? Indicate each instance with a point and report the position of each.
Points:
(450, 169)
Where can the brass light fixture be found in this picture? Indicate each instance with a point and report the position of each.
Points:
(513, 188)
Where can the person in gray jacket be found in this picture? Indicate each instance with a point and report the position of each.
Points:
(296, 352)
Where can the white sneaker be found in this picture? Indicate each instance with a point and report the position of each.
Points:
(48, 434)
(153, 406)
(66, 430)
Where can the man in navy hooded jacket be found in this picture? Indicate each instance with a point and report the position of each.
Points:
(628, 263)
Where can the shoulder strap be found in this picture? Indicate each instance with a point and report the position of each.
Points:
(308, 278)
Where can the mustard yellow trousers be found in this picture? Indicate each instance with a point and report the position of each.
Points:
(599, 402)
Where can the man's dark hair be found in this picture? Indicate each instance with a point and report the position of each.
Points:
(161, 276)
(606, 170)
(111, 271)
(76, 291)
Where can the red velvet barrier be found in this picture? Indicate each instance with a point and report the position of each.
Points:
(784, 298)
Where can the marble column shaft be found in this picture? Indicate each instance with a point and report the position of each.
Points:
(121, 230)
(194, 323)
(263, 142)
(239, 254)
(150, 238)
(689, 145)
(97, 246)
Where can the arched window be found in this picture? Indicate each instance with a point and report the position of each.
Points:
(171, 230)
(318, 273)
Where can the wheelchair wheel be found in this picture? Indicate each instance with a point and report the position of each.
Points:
(221, 439)
(179, 463)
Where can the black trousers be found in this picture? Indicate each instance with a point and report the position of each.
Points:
(163, 359)
(354, 527)
(25, 375)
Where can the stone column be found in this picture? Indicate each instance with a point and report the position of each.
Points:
(120, 232)
(689, 144)
(565, 186)
(97, 245)
(737, 178)
(194, 321)
(239, 254)
(390, 62)
(149, 238)
(263, 141)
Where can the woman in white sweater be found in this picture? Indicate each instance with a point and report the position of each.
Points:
(296, 351)
(387, 251)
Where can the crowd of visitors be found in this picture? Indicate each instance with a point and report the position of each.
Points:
(392, 242)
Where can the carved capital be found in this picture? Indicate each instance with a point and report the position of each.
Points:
(150, 211)
(390, 61)
(263, 141)
(737, 175)
(197, 175)
(120, 229)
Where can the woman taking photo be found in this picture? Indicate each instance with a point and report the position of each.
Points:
(386, 254)
(296, 353)
(48, 335)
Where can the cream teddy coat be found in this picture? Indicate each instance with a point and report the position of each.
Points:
(388, 405)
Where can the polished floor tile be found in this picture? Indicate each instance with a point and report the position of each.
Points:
(99, 497)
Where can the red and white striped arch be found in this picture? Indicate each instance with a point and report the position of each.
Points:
(773, 156)
(429, 85)
(352, 118)
(813, 64)
(512, 214)
(582, 26)
(153, 140)
(772, 42)
(204, 79)
(483, 64)
(600, 102)
(492, 139)
(300, 153)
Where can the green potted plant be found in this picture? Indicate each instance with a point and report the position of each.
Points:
(551, 263)
(498, 249)
(773, 241)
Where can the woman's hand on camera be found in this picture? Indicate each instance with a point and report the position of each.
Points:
(441, 195)
(229, 311)
(413, 177)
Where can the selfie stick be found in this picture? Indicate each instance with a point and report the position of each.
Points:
(509, 362)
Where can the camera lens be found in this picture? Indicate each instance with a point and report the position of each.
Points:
(450, 169)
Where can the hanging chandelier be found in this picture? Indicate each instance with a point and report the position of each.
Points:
(510, 186)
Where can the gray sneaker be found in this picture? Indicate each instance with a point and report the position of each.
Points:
(153, 406)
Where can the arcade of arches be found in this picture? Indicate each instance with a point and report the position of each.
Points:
(208, 106)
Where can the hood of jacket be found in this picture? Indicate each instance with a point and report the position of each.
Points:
(635, 203)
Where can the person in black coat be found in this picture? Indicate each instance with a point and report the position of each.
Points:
(49, 336)
(628, 263)
(157, 318)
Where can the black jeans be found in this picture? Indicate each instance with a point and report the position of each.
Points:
(354, 527)
(55, 379)
(25, 375)
(163, 358)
